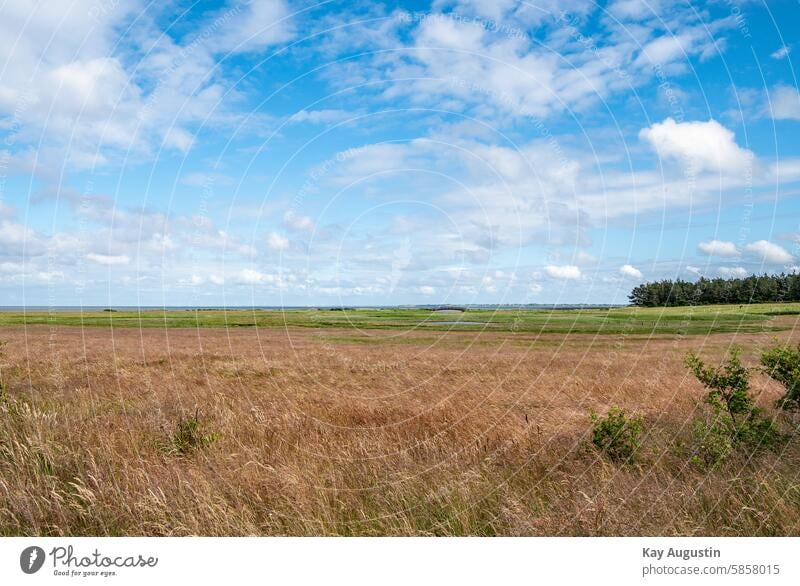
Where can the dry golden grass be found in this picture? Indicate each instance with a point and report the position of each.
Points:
(464, 433)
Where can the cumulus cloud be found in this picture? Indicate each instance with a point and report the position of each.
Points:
(694, 270)
(16, 238)
(297, 223)
(203, 234)
(702, 145)
(567, 272)
(461, 62)
(252, 277)
(88, 81)
(781, 53)
(785, 103)
(427, 290)
(330, 116)
(109, 259)
(729, 272)
(277, 241)
(769, 252)
(253, 27)
(584, 258)
(718, 248)
(630, 271)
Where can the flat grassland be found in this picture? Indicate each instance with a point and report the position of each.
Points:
(378, 422)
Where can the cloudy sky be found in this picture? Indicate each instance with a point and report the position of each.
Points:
(277, 152)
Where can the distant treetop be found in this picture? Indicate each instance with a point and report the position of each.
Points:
(752, 289)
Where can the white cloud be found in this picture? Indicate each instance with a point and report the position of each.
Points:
(782, 52)
(630, 271)
(700, 145)
(785, 103)
(584, 258)
(769, 252)
(262, 23)
(488, 284)
(109, 259)
(88, 81)
(459, 61)
(11, 267)
(737, 272)
(252, 277)
(633, 9)
(202, 233)
(670, 47)
(718, 248)
(320, 116)
(694, 270)
(427, 290)
(159, 244)
(568, 272)
(14, 238)
(216, 279)
(277, 241)
(178, 138)
(297, 223)
(197, 280)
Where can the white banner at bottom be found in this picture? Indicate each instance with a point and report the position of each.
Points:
(385, 560)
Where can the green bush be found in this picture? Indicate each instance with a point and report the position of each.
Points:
(190, 436)
(617, 434)
(758, 431)
(782, 363)
(728, 385)
(712, 442)
(734, 422)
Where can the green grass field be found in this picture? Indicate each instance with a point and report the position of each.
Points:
(623, 320)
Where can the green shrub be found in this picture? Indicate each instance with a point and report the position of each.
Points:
(712, 442)
(728, 385)
(734, 422)
(757, 432)
(782, 363)
(189, 436)
(716, 437)
(617, 434)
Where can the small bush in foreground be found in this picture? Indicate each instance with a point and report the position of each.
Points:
(728, 385)
(712, 442)
(783, 365)
(735, 421)
(617, 434)
(189, 436)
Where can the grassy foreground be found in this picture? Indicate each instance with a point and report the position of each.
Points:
(311, 431)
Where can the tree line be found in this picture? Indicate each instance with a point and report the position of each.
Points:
(752, 289)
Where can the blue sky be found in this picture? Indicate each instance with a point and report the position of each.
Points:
(274, 152)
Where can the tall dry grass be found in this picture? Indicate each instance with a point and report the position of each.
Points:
(465, 434)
